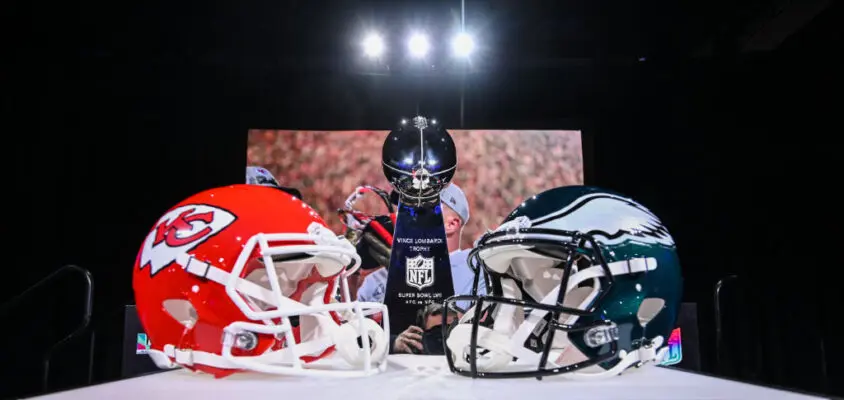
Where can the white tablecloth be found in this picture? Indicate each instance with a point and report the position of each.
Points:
(424, 378)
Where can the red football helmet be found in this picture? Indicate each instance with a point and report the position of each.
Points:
(208, 301)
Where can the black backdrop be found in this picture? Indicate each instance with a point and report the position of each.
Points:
(735, 152)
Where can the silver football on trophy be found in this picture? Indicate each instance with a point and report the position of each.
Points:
(419, 160)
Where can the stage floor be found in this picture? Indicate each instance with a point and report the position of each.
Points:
(424, 378)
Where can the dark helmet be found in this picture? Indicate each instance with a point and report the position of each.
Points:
(419, 160)
(582, 281)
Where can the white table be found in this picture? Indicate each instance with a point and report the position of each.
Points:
(423, 378)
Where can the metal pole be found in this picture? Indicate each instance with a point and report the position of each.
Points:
(462, 97)
(718, 323)
(462, 75)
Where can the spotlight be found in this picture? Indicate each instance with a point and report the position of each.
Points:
(462, 44)
(418, 45)
(373, 45)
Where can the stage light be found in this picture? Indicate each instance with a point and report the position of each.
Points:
(463, 45)
(418, 45)
(373, 45)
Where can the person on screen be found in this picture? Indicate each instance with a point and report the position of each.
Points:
(262, 177)
(455, 216)
(430, 320)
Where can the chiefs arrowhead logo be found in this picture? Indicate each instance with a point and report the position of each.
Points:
(181, 230)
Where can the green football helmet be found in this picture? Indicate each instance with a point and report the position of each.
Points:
(582, 281)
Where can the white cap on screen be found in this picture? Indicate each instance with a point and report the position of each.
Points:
(455, 199)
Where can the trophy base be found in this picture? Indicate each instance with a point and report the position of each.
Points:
(420, 270)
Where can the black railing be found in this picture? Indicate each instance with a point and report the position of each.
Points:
(719, 322)
(23, 300)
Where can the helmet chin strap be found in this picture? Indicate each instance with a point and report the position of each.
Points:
(495, 340)
(345, 339)
(496, 343)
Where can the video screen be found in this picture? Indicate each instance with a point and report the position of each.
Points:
(497, 169)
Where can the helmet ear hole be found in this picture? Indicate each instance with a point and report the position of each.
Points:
(182, 311)
(649, 308)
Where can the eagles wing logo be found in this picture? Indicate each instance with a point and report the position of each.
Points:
(179, 231)
(615, 219)
(419, 272)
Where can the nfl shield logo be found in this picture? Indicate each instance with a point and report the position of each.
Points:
(419, 272)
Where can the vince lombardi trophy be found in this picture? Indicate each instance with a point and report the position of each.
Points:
(419, 161)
